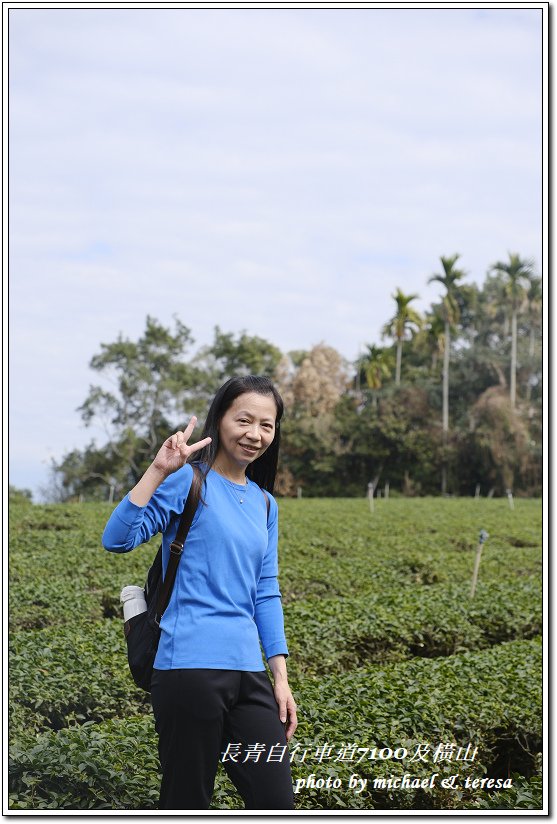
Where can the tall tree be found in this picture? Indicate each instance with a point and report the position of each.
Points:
(148, 390)
(430, 340)
(373, 368)
(518, 273)
(376, 365)
(319, 382)
(405, 320)
(534, 315)
(150, 381)
(311, 435)
(242, 354)
(449, 279)
(498, 440)
(534, 310)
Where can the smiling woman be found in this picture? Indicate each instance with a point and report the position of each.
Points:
(246, 431)
(210, 690)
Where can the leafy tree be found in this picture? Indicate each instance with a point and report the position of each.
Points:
(499, 441)
(152, 391)
(150, 380)
(518, 273)
(319, 382)
(312, 437)
(310, 451)
(449, 279)
(394, 440)
(404, 321)
(297, 356)
(479, 360)
(93, 474)
(243, 354)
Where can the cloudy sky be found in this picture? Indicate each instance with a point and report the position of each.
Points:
(279, 171)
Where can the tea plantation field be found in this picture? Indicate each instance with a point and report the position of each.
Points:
(411, 695)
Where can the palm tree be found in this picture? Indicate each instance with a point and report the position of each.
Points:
(435, 336)
(403, 321)
(375, 366)
(450, 311)
(517, 272)
(534, 311)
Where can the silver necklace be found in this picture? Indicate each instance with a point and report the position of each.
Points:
(238, 495)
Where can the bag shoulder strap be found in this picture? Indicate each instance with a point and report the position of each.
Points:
(267, 501)
(177, 547)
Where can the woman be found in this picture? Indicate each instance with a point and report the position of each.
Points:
(211, 695)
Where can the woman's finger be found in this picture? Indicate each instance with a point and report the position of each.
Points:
(292, 718)
(190, 427)
(292, 724)
(195, 447)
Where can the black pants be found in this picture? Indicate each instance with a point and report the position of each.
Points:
(206, 715)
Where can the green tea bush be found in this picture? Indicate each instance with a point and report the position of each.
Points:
(107, 765)
(336, 634)
(387, 650)
(69, 674)
(485, 699)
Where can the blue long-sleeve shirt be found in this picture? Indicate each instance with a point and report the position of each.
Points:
(226, 594)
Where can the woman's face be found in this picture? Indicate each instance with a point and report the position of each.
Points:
(247, 429)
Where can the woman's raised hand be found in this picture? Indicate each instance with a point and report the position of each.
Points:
(175, 451)
(172, 455)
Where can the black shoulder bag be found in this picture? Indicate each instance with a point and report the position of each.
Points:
(142, 631)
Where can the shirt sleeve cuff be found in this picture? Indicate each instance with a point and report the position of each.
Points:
(278, 648)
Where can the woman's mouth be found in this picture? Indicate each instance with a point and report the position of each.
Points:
(251, 449)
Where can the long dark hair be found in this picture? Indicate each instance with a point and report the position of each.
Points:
(264, 469)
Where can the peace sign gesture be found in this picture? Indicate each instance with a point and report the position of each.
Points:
(175, 451)
(172, 455)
